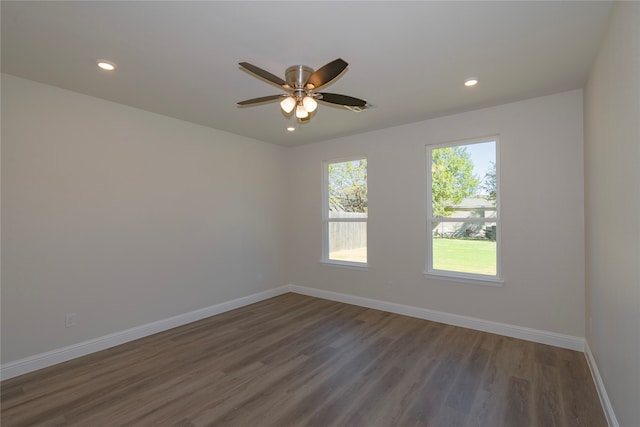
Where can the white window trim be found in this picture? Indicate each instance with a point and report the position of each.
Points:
(464, 278)
(326, 220)
(346, 264)
(481, 279)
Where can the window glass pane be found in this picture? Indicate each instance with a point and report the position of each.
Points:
(347, 190)
(463, 179)
(474, 208)
(354, 215)
(348, 241)
(464, 210)
(465, 247)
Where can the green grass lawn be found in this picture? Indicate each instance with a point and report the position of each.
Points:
(468, 256)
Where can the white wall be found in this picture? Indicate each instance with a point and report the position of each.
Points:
(612, 210)
(126, 217)
(542, 215)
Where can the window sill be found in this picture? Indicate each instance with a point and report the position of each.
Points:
(498, 282)
(345, 264)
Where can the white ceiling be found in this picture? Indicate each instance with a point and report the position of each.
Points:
(408, 59)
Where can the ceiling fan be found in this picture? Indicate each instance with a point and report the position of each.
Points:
(301, 84)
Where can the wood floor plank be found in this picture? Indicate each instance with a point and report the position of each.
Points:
(433, 392)
(381, 395)
(295, 361)
(518, 403)
(576, 388)
(547, 399)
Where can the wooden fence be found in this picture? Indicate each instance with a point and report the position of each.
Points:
(347, 235)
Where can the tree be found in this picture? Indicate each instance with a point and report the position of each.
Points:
(489, 182)
(348, 186)
(452, 179)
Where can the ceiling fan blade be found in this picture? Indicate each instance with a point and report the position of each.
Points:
(344, 100)
(327, 74)
(260, 100)
(264, 74)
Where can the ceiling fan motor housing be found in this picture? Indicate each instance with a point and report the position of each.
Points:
(298, 75)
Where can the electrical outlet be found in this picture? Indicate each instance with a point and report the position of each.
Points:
(70, 320)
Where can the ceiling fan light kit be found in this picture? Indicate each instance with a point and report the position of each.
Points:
(301, 83)
(309, 103)
(288, 104)
(301, 112)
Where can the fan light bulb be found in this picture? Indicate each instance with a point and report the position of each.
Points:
(301, 112)
(288, 104)
(310, 104)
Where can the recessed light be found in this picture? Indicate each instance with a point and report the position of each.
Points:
(471, 82)
(291, 128)
(106, 65)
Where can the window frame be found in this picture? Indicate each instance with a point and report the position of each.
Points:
(458, 276)
(326, 220)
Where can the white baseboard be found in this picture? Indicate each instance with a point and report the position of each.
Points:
(602, 391)
(535, 335)
(43, 360)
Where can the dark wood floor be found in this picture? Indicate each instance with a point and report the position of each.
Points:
(300, 361)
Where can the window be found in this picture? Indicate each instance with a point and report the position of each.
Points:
(345, 211)
(463, 215)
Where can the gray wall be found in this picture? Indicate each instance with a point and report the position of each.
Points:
(542, 215)
(612, 210)
(126, 217)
